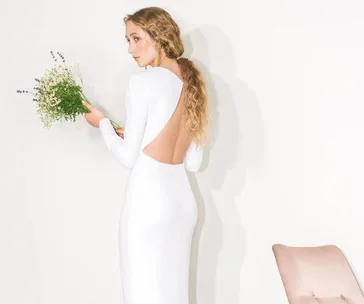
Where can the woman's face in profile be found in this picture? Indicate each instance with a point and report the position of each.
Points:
(141, 45)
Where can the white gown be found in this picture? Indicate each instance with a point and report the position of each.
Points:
(159, 215)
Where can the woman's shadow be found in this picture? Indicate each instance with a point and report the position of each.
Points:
(236, 145)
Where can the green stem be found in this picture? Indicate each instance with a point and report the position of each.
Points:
(85, 98)
(114, 124)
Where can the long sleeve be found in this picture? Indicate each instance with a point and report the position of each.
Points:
(136, 105)
(194, 157)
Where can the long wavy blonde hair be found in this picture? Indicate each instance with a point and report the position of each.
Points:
(159, 24)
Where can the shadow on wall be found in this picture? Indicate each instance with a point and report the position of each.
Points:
(236, 145)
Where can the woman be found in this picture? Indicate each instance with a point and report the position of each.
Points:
(166, 115)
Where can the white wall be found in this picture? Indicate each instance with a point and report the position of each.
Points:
(286, 164)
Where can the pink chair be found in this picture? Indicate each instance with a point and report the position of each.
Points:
(316, 275)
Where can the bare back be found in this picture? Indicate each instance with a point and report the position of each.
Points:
(171, 144)
(156, 122)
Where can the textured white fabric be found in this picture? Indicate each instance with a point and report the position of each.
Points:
(159, 215)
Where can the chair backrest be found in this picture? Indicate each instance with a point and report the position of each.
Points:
(318, 274)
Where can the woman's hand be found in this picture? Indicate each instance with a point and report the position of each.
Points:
(120, 131)
(94, 117)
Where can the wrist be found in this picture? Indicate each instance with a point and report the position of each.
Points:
(102, 120)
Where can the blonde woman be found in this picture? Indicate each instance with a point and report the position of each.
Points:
(164, 135)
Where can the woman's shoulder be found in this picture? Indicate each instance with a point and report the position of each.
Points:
(154, 81)
(155, 75)
(138, 80)
(142, 82)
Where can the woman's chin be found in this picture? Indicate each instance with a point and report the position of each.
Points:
(141, 64)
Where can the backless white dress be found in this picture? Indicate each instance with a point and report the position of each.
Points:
(159, 214)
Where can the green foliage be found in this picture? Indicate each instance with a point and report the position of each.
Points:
(58, 96)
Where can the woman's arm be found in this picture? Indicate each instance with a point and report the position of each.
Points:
(127, 149)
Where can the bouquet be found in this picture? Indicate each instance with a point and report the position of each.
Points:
(58, 96)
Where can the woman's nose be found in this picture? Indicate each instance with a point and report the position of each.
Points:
(130, 49)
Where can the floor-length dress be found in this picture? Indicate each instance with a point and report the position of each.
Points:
(159, 214)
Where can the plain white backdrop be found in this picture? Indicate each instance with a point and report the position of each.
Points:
(285, 164)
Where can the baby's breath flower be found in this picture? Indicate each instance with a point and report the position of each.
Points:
(58, 96)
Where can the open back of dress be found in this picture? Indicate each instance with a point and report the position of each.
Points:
(172, 142)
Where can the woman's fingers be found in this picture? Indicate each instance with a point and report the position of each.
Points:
(120, 131)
